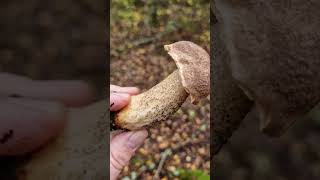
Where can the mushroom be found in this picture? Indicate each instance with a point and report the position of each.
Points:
(262, 68)
(191, 78)
(79, 151)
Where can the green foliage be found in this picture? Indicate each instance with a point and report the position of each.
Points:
(140, 16)
(125, 13)
(192, 175)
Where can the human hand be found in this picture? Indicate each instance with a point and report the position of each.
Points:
(123, 144)
(33, 112)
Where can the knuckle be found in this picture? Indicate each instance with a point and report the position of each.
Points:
(119, 159)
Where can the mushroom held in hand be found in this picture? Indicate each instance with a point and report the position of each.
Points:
(192, 77)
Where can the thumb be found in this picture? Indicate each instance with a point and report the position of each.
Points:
(118, 101)
(27, 124)
(122, 148)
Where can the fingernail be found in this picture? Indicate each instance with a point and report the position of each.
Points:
(119, 92)
(136, 139)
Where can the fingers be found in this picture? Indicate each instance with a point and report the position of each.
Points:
(69, 92)
(115, 133)
(118, 101)
(120, 96)
(128, 90)
(28, 124)
(122, 148)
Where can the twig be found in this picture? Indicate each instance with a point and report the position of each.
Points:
(168, 152)
(164, 156)
(148, 40)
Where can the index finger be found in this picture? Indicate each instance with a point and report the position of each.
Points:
(128, 90)
(69, 92)
(28, 124)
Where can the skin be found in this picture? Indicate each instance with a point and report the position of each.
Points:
(38, 104)
(123, 144)
(80, 150)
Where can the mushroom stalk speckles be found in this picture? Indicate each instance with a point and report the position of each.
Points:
(154, 105)
(164, 99)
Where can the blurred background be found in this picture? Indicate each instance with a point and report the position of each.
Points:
(250, 155)
(66, 39)
(139, 29)
(61, 39)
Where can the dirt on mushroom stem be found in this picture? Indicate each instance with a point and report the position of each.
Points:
(154, 105)
(146, 70)
(158, 103)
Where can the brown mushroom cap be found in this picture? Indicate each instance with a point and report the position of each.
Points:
(193, 63)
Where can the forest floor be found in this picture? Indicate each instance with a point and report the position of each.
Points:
(138, 59)
(182, 142)
(66, 40)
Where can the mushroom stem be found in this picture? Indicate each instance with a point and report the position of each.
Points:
(154, 105)
(231, 105)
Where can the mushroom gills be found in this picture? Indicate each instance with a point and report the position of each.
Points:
(154, 105)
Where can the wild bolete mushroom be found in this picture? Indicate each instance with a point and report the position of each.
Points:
(265, 63)
(191, 78)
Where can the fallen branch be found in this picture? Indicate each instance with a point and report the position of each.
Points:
(164, 156)
(168, 152)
